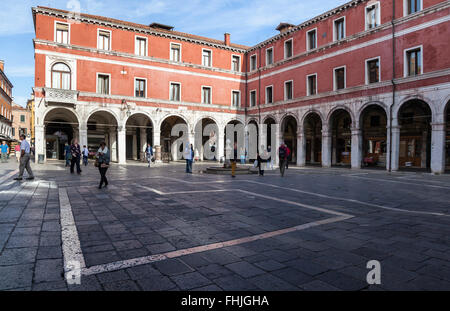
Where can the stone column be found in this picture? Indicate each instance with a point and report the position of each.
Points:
(113, 144)
(388, 147)
(326, 147)
(39, 141)
(83, 136)
(143, 135)
(395, 152)
(438, 148)
(135, 149)
(220, 145)
(157, 145)
(356, 153)
(301, 147)
(122, 134)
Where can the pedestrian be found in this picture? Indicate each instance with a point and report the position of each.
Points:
(149, 154)
(192, 157)
(260, 164)
(188, 158)
(103, 159)
(282, 154)
(242, 156)
(17, 152)
(25, 159)
(85, 155)
(288, 155)
(67, 154)
(234, 161)
(75, 151)
(4, 148)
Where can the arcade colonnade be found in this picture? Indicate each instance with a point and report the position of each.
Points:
(412, 132)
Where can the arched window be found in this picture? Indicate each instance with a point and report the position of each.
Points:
(61, 78)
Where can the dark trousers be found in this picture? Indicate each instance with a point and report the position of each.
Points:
(188, 166)
(75, 161)
(260, 168)
(85, 160)
(103, 179)
(283, 166)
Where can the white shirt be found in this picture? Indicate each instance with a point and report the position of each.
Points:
(100, 150)
(24, 145)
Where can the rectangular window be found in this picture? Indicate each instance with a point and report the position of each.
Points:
(373, 71)
(207, 58)
(140, 88)
(22, 118)
(413, 6)
(339, 78)
(103, 84)
(13, 132)
(62, 33)
(288, 90)
(312, 40)
(206, 95)
(414, 62)
(236, 63)
(312, 85)
(253, 63)
(236, 98)
(252, 98)
(372, 16)
(104, 40)
(175, 92)
(339, 29)
(269, 95)
(288, 49)
(175, 52)
(269, 56)
(141, 46)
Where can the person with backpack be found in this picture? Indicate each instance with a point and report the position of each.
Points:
(282, 154)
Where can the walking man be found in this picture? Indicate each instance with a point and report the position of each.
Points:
(149, 154)
(282, 154)
(76, 156)
(85, 155)
(188, 158)
(25, 159)
(4, 148)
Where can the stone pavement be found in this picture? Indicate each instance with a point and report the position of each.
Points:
(160, 229)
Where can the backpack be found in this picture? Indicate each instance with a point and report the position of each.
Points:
(282, 153)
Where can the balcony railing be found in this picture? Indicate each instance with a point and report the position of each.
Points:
(60, 96)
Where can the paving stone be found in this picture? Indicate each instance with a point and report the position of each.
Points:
(50, 286)
(214, 271)
(318, 285)
(220, 256)
(160, 248)
(16, 276)
(208, 288)
(48, 270)
(23, 241)
(156, 283)
(88, 283)
(113, 276)
(244, 269)
(234, 283)
(268, 282)
(342, 281)
(126, 285)
(195, 260)
(293, 276)
(49, 252)
(306, 266)
(142, 272)
(172, 267)
(269, 265)
(190, 280)
(17, 256)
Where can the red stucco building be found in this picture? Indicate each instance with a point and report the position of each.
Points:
(364, 84)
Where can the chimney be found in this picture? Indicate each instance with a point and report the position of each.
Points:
(283, 27)
(2, 65)
(227, 39)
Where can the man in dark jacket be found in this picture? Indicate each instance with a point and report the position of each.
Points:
(283, 154)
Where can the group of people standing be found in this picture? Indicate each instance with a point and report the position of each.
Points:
(73, 155)
(283, 154)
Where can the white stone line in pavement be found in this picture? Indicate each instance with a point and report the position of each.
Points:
(122, 264)
(351, 200)
(178, 192)
(8, 176)
(397, 182)
(70, 241)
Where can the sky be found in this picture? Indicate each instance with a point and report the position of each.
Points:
(248, 21)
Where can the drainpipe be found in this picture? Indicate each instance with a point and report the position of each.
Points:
(393, 85)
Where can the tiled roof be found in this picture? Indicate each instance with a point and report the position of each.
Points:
(157, 30)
